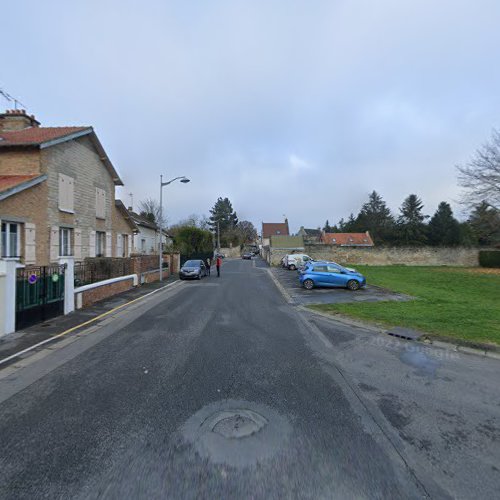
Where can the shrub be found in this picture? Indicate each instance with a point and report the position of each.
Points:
(489, 258)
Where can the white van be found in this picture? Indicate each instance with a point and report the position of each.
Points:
(295, 260)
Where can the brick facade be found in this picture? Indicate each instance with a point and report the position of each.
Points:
(37, 208)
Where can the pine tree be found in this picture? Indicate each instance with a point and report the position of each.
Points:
(222, 212)
(411, 227)
(485, 223)
(327, 228)
(376, 217)
(444, 229)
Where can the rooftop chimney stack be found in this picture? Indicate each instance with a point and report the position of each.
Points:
(17, 119)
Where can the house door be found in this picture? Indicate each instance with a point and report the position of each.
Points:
(39, 294)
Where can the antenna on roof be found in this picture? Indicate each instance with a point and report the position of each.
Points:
(9, 98)
(131, 200)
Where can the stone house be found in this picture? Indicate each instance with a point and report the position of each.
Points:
(145, 241)
(274, 229)
(309, 235)
(57, 193)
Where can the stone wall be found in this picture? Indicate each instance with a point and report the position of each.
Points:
(382, 256)
(231, 253)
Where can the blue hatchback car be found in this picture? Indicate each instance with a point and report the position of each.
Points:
(330, 274)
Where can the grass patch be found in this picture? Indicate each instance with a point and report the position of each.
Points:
(450, 302)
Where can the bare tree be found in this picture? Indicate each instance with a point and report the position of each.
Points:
(150, 209)
(480, 177)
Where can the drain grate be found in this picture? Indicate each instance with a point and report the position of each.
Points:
(404, 333)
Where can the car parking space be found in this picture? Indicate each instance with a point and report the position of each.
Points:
(300, 296)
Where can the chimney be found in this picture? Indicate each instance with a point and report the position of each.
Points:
(16, 119)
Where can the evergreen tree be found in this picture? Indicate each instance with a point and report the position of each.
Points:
(327, 228)
(444, 229)
(485, 223)
(350, 225)
(222, 212)
(411, 227)
(376, 217)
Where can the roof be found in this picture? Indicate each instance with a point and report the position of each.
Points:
(289, 242)
(348, 239)
(126, 214)
(44, 137)
(313, 232)
(12, 184)
(274, 228)
(142, 221)
(34, 136)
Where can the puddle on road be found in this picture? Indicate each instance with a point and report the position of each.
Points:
(425, 365)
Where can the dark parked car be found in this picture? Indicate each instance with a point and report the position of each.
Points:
(193, 269)
(247, 256)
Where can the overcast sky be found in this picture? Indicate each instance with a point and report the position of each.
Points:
(296, 108)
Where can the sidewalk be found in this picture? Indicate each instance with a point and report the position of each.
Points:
(23, 339)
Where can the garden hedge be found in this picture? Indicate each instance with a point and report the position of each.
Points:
(489, 258)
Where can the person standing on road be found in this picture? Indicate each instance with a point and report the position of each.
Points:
(218, 263)
(209, 263)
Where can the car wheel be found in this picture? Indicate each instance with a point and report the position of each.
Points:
(308, 284)
(292, 267)
(353, 285)
(199, 276)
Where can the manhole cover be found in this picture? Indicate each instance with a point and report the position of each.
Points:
(238, 423)
(237, 433)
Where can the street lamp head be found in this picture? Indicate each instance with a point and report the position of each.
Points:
(185, 180)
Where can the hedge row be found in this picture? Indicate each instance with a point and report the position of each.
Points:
(489, 258)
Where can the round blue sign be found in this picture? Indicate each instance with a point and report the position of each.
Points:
(32, 279)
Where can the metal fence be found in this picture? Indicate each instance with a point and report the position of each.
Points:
(100, 269)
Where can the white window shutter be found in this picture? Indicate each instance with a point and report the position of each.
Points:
(70, 190)
(30, 243)
(119, 246)
(62, 192)
(108, 244)
(77, 249)
(54, 243)
(129, 244)
(92, 244)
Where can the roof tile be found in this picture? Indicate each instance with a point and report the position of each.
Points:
(36, 135)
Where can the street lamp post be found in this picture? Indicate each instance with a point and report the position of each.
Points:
(184, 180)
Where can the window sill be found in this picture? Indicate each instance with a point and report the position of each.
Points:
(66, 211)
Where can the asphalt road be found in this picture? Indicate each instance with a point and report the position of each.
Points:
(219, 389)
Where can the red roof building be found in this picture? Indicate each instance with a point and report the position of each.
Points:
(275, 229)
(347, 239)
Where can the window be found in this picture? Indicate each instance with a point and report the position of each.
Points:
(333, 269)
(65, 238)
(319, 269)
(143, 245)
(11, 239)
(100, 243)
(66, 193)
(125, 245)
(100, 203)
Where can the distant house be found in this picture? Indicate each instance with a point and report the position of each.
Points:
(274, 229)
(347, 239)
(310, 235)
(146, 238)
(57, 193)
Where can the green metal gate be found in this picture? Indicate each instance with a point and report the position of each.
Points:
(39, 294)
